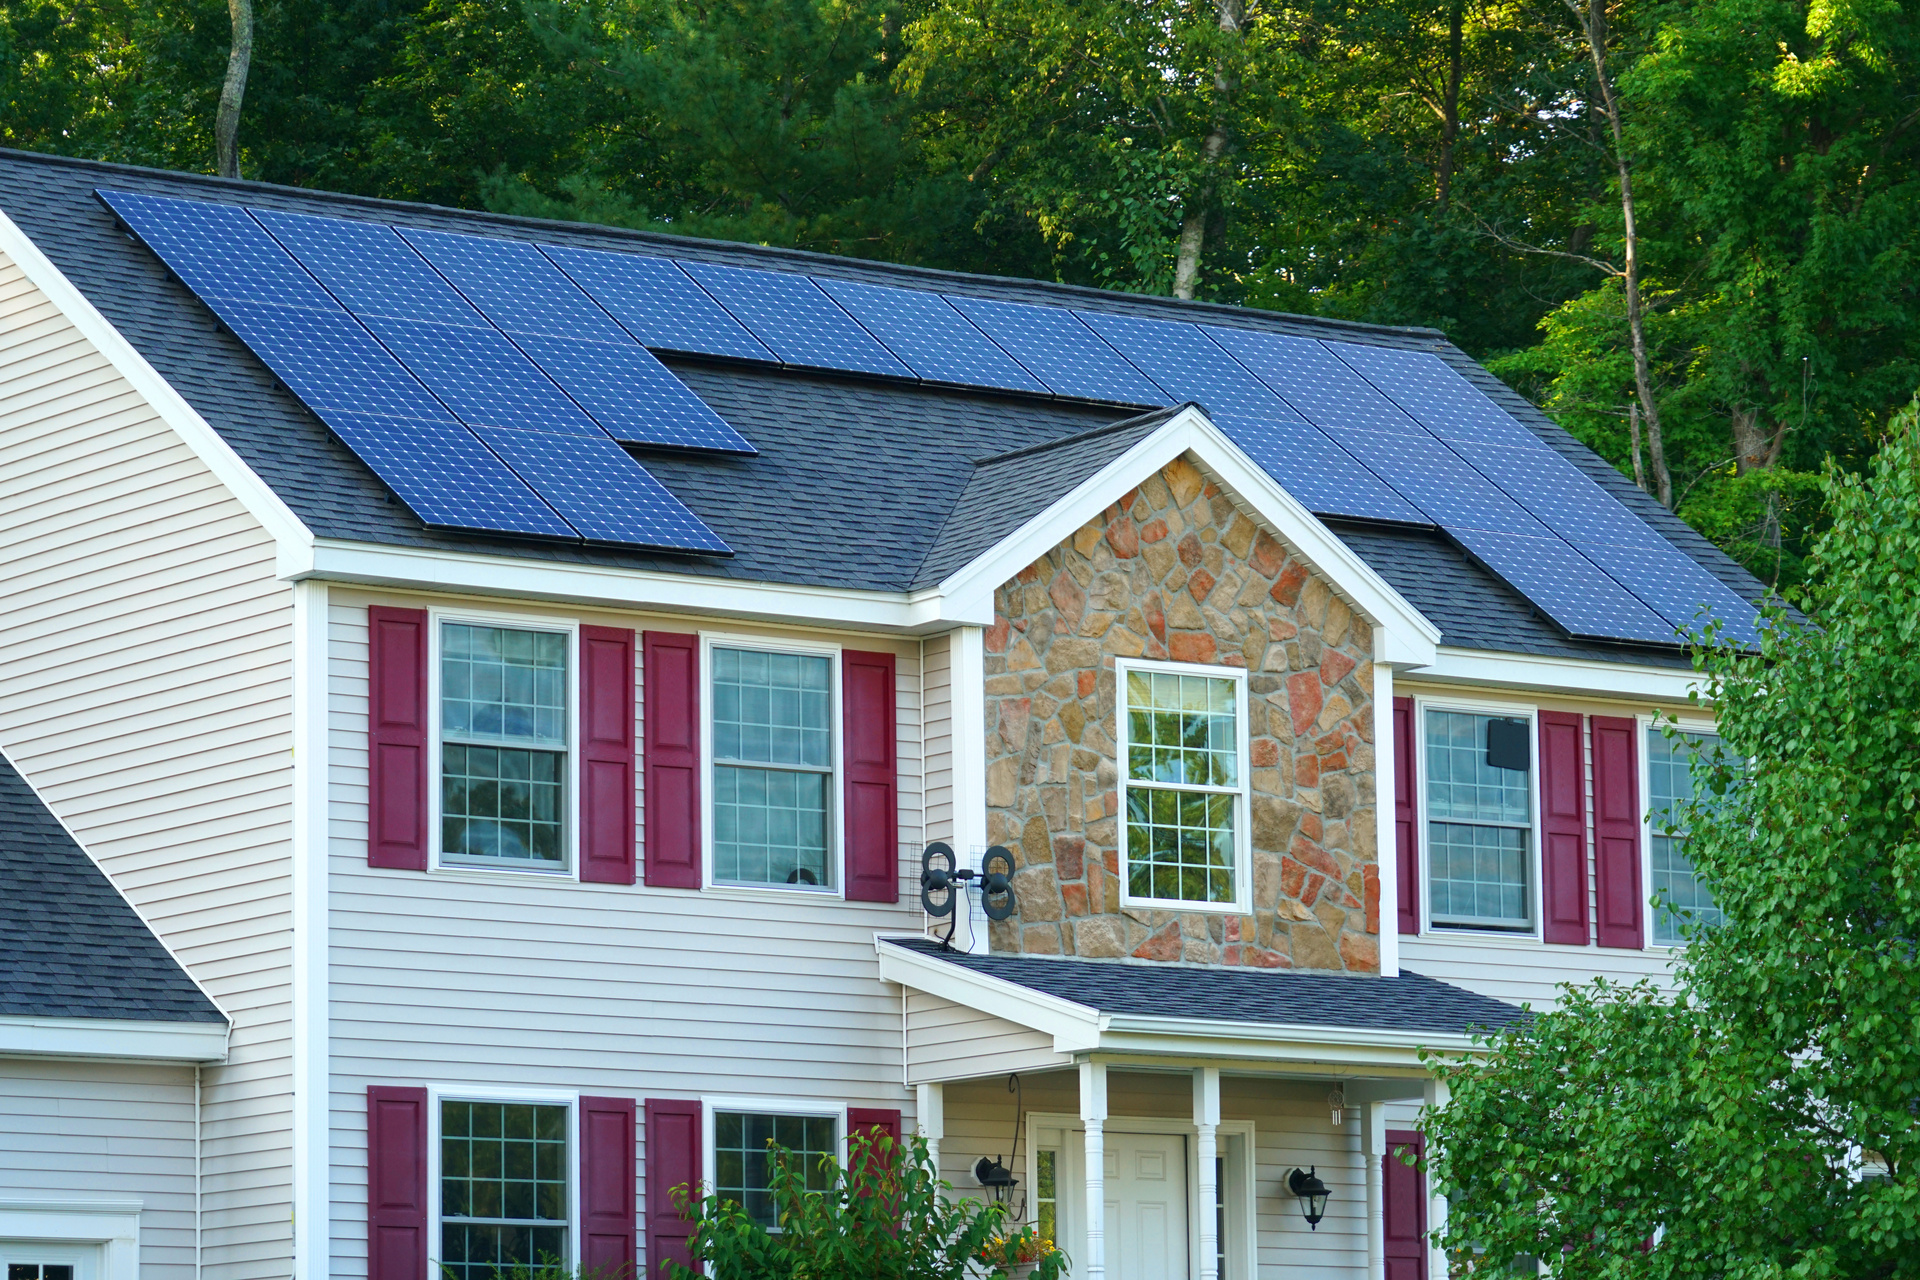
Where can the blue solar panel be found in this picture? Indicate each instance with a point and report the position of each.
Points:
(797, 322)
(657, 302)
(1677, 589)
(1567, 585)
(369, 268)
(936, 341)
(1052, 344)
(632, 395)
(1188, 365)
(516, 286)
(1433, 393)
(1325, 391)
(602, 491)
(1320, 475)
(445, 475)
(1565, 498)
(1439, 482)
(329, 360)
(217, 249)
(482, 376)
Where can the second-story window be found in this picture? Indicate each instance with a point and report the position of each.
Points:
(503, 747)
(1479, 820)
(1184, 784)
(772, 736)
(1672, 771)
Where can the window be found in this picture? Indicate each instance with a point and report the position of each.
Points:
(772, 740)
(39, 1271)
(743, 1160)
(1046, 1194)
(503, 1187)
(1185, 783)
(503, 746)
(1675, 886)
(1479, 820)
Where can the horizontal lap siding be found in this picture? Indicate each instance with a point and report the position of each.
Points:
(1524, 972)
(144, 668)
(614, 990)
(937, 680)
(948, 1041)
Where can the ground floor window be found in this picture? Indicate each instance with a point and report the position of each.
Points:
(503, 1187)
(743, 1143)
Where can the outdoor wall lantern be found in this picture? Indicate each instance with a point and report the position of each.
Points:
(1306, 1184)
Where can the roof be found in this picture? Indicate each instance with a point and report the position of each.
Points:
(859, 483)
(73, 947)
(1409, 1002)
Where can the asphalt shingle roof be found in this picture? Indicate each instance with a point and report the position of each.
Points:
(70, 946)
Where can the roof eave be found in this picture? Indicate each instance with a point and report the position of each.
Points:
(117, 1039)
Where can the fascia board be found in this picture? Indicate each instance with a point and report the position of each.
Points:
(255, 494)
(1538, 674)
(1074, 1027)
(115, 1038)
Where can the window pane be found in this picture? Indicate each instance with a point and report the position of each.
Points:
(1478, 875)
(1461, 785)
(499, 804)
(1182, 729)
(1180, 845)
(503, 1186)
(1674, 769)
(743, 1168)
(771, 708)
(769, 826)
(1046, 1195)
(504, 684)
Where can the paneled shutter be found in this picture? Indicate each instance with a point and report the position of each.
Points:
(1406, 853)
(674, 1140)
(862, 1121)
(1616, 831)
(868, 755)
(670, 671)
(397, 720)
(396, 1183)
(608, 1200)
(606, 755)
(1405, 1209)
(1563, 805)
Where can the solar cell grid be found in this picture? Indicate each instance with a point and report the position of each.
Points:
(1053, 345)
(329, 360)
(218, 250)
(1432, 393)
(482, 376)
(1567, 586)
(601, 490)
(445, 475)
(632, 395)
(1677, 589)
(797, 322)
(657, 302)
(1436, 480)
(369, 268)
(515, 286)
(1188, 365)
(1321, 387)
(924, 331)
(1566, 499)
(1321, 476)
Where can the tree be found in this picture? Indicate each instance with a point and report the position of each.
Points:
(233, 90)
(1765, 1120)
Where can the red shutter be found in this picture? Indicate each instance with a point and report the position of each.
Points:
(396, 1183)
(863, 1119)
(1405, 1207)
(867, 754)
(606, 755)
(608, 1200)
(397, 719)
(1616, 830)
(1406, 852)
(674, 1141)
(671, 711)
(1563, 813)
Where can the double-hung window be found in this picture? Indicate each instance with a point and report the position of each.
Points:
(1479, 798)
(743, 1156)
(1672, 770)
(504, 720)
(773, 766)
(1184, 744)
(503, 1187)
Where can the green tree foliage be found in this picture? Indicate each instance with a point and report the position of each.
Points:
(1766, 1121)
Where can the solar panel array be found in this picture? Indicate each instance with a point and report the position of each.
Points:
(489, 381)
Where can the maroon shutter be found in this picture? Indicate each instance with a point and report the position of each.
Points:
(397, 719)
(674, 1140)
(396, 1183)
(868, 756)
(863, 1120)
(1563, 814)
(1405, 851)
(608, 1199)
(606, 755)
(670, 670)
(1616, 830)
(1405, 1208)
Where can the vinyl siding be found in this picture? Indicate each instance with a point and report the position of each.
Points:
(144, 690)
(105, 1131)
(936, 676)
(948, 1041)
(495, 981)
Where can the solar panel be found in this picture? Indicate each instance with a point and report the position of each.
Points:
(1052, 344)
(369, 268)
(601, 490)
(797, 322)
(482, 376)
(935, 341)
(329, 360)
(515, 286)
(1677, 589)
(445, 475)
(1566, 584)
(1321, 387)
(1321, 476)
(632, 395)
(657, 302)
(1188, 365)
(1566, 499)
(217, 249)
(1439, 482)
(1433, 393)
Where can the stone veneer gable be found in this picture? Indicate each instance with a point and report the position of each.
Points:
(1177, 571)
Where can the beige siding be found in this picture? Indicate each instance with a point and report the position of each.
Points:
(105, 1131)
(497, 981)
(144, 668)
(948, 1041)
(936, 675)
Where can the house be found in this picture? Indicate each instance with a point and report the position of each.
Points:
(521, 672)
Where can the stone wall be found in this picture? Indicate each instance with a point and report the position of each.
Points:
(1176, 571)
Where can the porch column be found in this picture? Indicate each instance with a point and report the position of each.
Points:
(1437, 1096)
(932, 1109)
(1206, 1119)
(1373, 1150)
(1093, 1114)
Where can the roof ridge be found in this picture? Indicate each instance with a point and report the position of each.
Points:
(1138, 419)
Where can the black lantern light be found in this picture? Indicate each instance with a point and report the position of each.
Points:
(1306, 1184)
(996, 1178)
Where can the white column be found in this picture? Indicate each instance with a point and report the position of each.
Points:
(1373, 1150)
(1206, 1119)
(1093, 1114)
(1385, 829)
(969, 677)
(931, 1106)
(1437, 1095)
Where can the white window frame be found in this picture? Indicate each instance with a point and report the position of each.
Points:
(569, 1098)
(108, 1229)
(570, 811)
(1242, 902)
(711, 1105)
(1644, 725)
(1486, 706)
(836, 783)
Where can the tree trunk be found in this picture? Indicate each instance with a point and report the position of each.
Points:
(1450, 109)
(1193, 224)
(1633, 429)
(1754, 447)
(226, 125)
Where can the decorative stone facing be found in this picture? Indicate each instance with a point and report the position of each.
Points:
(1176, 571)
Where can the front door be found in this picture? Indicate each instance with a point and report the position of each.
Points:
(1146, 1206)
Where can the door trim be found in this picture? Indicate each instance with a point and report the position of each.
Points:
(112, 1224)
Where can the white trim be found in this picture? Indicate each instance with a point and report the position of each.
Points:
(533, 1095)
(1242, 903)
(1494, 705)
(1530, 673)
(290, 536)
(113, 1225)
(26, 1036)
(312, 1228)
(968, 696)
(1386, 834)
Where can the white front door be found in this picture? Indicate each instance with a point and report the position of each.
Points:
(1146, 1206)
